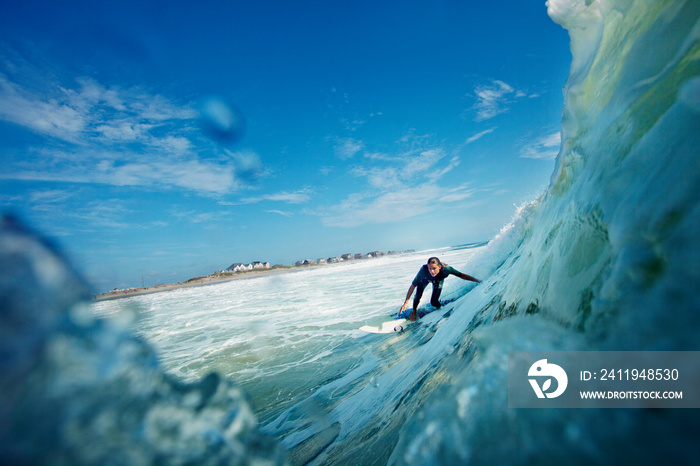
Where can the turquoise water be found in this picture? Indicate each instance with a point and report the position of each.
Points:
(285, 336)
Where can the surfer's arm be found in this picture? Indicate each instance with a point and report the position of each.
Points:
(464, 276)
(461, 275)
(408, 297)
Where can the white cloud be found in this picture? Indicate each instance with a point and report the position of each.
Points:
(480, 135)
(390, 207)
(491, 99)
(393, 206)
(89, 111)
(208, 217)
(399, 187)
(457, 194)
(194, 175)
(174, 144)
(50, 196)
(494, 98)
(50, 116)
(115, 136)
(279, 212)
(197, 217)
(208, 178)
(125, 130)
(406, 167)
(92, 92)
(380, 178)
(545, 147)
(421, 163)
(107, 213)
(346, 148)
(454, 162)
(298, 197)
(353, 125)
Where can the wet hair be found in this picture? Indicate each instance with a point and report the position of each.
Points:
(435, 260)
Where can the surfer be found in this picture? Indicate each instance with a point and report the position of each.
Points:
(435, 272)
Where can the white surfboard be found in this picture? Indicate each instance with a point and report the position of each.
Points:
(396, 325)
(426, 314)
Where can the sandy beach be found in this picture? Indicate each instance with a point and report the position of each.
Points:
(227, 277)
(201, 281)
(212, 280)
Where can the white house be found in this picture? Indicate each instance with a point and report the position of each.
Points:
(238, 267)
(304, 262)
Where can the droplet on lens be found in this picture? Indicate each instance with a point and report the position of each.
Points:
(222, 121)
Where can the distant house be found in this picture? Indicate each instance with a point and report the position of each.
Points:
(321, 261)
(335, 260)
(358, 256)
(238, 267)
(346, 257)
(375, 254)
(304, 262)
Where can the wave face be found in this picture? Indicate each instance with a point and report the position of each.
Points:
(605, 259)
(612, 243)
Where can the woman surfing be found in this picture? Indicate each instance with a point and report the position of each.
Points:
(433, 272)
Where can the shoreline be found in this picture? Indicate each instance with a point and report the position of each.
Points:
(194, 282)
(215, 279)
(211, 280)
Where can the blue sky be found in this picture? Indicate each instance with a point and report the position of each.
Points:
(167, 140)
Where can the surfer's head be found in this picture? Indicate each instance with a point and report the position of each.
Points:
(434, 266)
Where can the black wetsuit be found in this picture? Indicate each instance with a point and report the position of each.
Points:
(424, 277)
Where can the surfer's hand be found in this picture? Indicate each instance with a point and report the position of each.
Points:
(403, 308)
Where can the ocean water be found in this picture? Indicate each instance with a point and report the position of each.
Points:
(605, 259)
(292, 340)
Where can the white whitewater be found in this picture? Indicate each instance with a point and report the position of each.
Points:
(283, 336)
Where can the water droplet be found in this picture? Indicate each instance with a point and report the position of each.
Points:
(221, 121)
